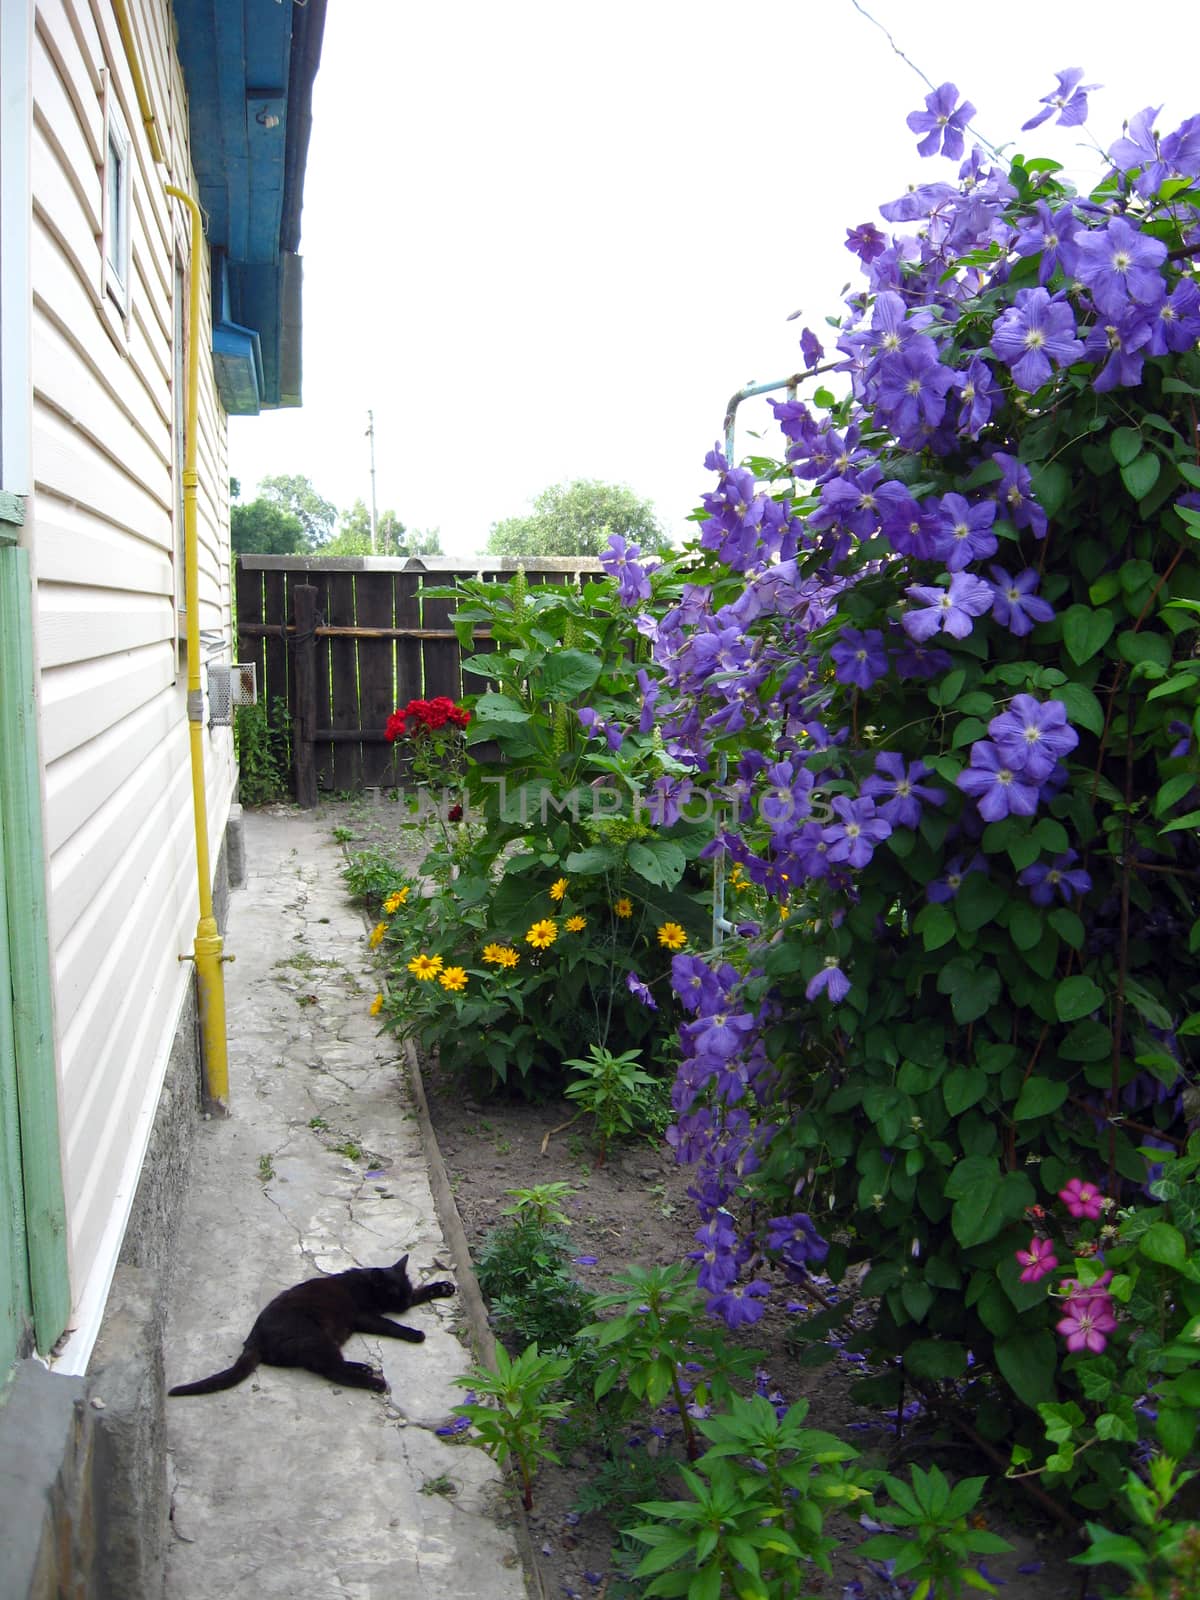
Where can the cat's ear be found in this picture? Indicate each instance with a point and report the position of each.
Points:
(401, 1267)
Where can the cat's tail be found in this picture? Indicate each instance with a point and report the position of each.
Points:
(241, 1368)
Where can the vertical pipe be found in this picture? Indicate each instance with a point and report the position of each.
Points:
(207, 945)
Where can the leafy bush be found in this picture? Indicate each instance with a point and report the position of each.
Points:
(567, 880)
(262, 744)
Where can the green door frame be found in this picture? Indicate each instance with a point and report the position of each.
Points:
(30, 1035)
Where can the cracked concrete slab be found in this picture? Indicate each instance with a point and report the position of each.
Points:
(287, 1487)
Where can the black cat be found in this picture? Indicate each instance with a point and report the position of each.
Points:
(306, 1326)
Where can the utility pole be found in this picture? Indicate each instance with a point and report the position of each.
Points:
(371, 437)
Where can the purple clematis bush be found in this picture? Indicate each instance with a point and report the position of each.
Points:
(931, 667)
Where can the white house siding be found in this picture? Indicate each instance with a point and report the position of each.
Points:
(106, 537)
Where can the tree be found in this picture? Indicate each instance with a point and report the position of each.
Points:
(578, 519)
(263, 528)
(296, 496)
(392, 538)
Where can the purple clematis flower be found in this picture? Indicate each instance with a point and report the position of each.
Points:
(1032, 736)
(912, 387)
(1044, 880)
(1033, 332)
(948, 885)
(811, 348)
(1119, 342)
(1014, 495)
(996, 787)
(900, 789)
(866, 242)
(829, 980)
(640, 991)
(978, 396)
(740, 1303)
(1017, 606)
(952, 609)
(1139, 148)
(1119, 264)
(941, 123)
(796, 1239)
(1069, 100)
(1176, 326)
(963, 533)
(853, 837)
(859, 658)
(1050, 235)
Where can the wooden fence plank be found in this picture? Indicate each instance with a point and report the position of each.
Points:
(345, 767)
(375, 607)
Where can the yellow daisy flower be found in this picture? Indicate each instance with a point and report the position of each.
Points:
(558, 889)
(377, 933)
(453, 978)
(377, 1005)
(496, 955)
(509, 958)
(395, 900)
(671, 936)
(623, 907)
(543, 934)
(575, 924)
(784, 913)
(425, 967)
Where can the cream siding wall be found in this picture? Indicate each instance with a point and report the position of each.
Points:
(106, 540)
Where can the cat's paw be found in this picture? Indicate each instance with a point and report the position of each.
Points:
(439, 1291)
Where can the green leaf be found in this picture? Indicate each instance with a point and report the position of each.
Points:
(1126, 445)
(1141, 474)
(1051, 485)
(1025, 925)
(567, 673)
(1085, 631)
(1192, 820)
(978, 900)
(659, 861)
(972, 989)
(499, 708)
(1083, 708)
(596, 858)
(1138, 646)
(935, 923)
(1164, 1244)
(935, 1359)
(1027, 1363)
(962, 1087)
(1087, 1041)
(1038, 1098)
(1068, 926)
(1077, 997)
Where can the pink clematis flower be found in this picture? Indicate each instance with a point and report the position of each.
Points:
(1082, 1199)
(1088, 1322)
(1037, 1260)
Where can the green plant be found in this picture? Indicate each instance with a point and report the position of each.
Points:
(759, 1498)
(371, 875)
(266, 1168)
(512, 1426)
(262, 743)
(524, 1269)
(343, 835)
(611, 1090)
(656, 1327)
(937, 1552)
(1162, 1556)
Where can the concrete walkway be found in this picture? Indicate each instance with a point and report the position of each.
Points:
(288, 1488)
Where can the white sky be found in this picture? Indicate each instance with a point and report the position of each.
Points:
(547, 239)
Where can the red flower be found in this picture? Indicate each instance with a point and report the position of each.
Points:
(454, 814)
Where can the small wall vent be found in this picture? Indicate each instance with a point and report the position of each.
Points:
(228, 688)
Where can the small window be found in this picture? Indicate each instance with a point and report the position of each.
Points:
(117, 214)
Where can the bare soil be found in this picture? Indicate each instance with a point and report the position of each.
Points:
(634, 1209)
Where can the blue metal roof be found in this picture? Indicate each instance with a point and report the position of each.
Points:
(249, 67)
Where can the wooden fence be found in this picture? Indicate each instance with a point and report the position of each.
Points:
(342, 642)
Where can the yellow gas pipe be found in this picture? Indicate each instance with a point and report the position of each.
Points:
(207, 945)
